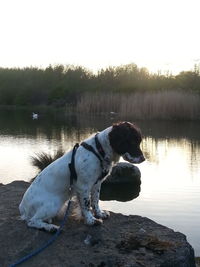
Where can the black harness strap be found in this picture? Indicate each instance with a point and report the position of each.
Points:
(91, 149)
(73, 174)
(100, 151)
(99, 146)
(100, 155)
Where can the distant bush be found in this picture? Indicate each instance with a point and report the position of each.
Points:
(63, 85)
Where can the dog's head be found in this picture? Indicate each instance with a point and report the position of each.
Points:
(125, 139)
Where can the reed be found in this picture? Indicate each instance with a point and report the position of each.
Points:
(99, 103)
(153, 105)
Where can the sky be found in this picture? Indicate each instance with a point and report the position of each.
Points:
(157, 34)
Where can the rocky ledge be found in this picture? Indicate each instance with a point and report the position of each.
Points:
(121, 240)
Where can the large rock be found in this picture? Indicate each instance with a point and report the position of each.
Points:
(123, 184)
(121, 241)
(124, 172)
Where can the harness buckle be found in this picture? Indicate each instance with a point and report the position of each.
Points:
(70, 192)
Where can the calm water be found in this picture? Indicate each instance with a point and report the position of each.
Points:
(170, 189)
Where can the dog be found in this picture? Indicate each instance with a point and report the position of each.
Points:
(89, 163)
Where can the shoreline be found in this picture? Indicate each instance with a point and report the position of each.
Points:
(130, 114)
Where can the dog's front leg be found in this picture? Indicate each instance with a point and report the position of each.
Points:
(84, 200)
(103, 214)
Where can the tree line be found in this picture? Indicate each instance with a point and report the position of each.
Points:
(60, 85)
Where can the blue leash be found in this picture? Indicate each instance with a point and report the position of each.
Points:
(48, 243)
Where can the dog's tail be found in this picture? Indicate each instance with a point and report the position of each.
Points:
(42, 160)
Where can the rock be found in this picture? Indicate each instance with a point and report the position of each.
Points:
(121, 241)
(120, 191)
(123, 184)
(124, 172)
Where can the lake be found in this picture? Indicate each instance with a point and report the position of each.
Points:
(170, 189)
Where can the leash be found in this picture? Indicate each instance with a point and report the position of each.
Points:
(48, 243)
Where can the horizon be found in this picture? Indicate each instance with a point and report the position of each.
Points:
(95, 71)
(161, 36)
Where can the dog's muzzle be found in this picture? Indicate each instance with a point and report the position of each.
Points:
(131, 159)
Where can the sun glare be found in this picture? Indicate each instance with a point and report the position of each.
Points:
(167, 164)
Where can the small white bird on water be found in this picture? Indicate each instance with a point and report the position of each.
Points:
(34, 116)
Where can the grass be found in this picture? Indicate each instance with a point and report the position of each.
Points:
(156, 105)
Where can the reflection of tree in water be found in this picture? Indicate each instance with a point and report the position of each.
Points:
(195, 156)
(157, 150)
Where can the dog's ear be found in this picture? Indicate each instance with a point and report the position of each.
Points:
(121, 136)
(118, 137)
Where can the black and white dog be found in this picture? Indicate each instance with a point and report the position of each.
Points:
(93, 159)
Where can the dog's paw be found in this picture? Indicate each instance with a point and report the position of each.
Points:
(98, 221)
(52, 228)
(103, 215)
(94, 221)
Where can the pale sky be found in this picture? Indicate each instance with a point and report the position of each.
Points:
(157, 34)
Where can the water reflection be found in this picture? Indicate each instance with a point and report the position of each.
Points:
(176, 157)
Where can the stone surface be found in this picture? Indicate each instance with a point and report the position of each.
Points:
(121, 240)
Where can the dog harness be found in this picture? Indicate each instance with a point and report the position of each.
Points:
(100, 155)
(73, 174)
